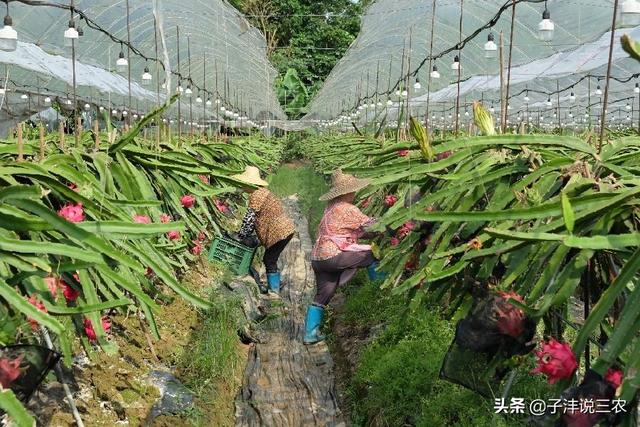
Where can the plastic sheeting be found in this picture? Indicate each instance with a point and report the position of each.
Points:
(211, 32)
(395, 37)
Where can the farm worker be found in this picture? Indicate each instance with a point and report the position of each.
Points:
(336, 254)
(267, 218)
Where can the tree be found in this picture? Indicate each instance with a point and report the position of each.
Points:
(305, 35)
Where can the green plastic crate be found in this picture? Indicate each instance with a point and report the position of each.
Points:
(235, 255)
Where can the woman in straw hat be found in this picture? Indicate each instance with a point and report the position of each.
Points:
(336, 254)
(267, 218)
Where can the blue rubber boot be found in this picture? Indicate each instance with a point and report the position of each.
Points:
(273, 280)
(312, 325)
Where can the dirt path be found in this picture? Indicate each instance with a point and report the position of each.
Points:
(287, 383)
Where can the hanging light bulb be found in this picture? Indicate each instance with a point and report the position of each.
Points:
(87, 107)
(198, 100)
(434, 72)
(637, 88)
(100, 108)
(466, 113)
(146, 77)
(379, 104)
(188, 92)
(492, 110)
(549, 103)
(122, 63)
(135, 116)
(526, 96)
(629, 14)
(114, 112)
(508, 106)
(24, 96)
(456, 63)
(572, 97)
(125, 113)
(70, 34)
(598, 90)
(8, 36)
(417, 85)
(627, 107)
(68, 102)
(490, 47)
(47, 100)
(218, 101)
(546, 27)
(80, 32)
(208, 102)
(223, 109)
(180, 89)
(389, 102)
(404, 93)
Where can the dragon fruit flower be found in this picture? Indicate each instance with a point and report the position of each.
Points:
(614, 377)
(52, 284)
(196, 249)
(141, 219)
(72, 213)
(188, 201)
(173, 235)
(510, 319)
(164, 218)
(91, 333)
(221, 206)
(33, 300)
(70, 293)
(390, 200)
(405, 229)
(204, 179)
(201, 237)
(394, 241)
(555, 360)
(403, 153)
(9, 371)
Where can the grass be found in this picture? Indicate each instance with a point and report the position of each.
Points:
(397, 380)
(212, 366)
(301, 180)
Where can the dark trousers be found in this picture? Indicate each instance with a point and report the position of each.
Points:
(337, 271)
(272, 254)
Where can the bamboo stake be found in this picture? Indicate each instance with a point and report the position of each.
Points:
(61, 133)
(78, 131)
(20, 144)
(42, 144)
(96, 134)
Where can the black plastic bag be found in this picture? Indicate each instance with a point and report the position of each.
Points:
(24, 367)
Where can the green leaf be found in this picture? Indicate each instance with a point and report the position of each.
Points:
(20, 303)
(567, 213)
(10, 404)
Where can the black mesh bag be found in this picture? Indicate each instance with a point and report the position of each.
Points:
(493, 332)
(24, 367)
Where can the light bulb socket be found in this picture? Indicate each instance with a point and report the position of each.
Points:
(8, 21)
(546, 14)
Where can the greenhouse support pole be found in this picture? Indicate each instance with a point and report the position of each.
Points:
(457, 113)
(513, 20)
(503, 107)
(558, 106)
(638, 113)
(589, 100)
(190, 83)
(204, 87)
(179, 84)
(129, 61)
(433, 23)
(608, 77)
(73, 77)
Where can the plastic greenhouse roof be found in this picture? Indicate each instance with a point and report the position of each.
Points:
(211, 28)
(372, 68)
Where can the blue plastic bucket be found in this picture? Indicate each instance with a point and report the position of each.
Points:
(376, 275)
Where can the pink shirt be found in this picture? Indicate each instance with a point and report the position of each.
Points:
(340, 227)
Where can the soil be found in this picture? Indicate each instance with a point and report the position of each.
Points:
(113, 390)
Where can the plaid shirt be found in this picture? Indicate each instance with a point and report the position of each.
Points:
(267, 218)
(340, 219)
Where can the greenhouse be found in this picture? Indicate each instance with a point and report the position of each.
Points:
(320, 213)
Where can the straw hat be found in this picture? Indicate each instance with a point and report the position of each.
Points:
(251, 175)
(342, 183)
